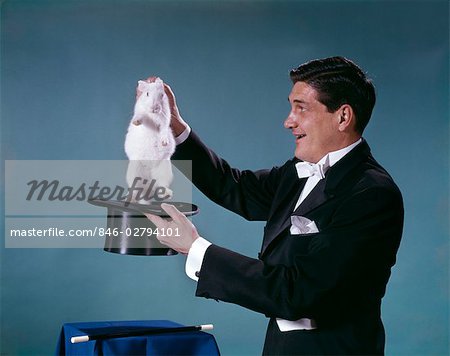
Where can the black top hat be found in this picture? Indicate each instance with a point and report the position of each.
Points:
(129, 232)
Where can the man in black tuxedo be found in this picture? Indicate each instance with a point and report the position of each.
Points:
(334, 221)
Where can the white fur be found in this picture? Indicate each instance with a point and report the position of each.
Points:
(149, 142)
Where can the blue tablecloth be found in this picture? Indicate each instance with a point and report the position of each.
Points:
(182, 343)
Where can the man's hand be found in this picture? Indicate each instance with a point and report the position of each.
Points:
(180, 225)
(177, 124)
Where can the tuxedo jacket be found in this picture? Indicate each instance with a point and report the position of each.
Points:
(336, 276)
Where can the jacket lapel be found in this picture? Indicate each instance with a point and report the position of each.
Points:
(292, 187)
(324, 190)
(317, 197)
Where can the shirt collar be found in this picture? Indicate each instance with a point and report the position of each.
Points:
(333, 157)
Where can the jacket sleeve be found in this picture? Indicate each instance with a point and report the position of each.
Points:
(346, 265)
(246, 193)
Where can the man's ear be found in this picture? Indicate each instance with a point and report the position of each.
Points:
(346, 117)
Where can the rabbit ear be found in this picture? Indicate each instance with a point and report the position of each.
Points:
(158, 81)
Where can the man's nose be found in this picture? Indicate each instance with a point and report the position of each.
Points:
(290, 122)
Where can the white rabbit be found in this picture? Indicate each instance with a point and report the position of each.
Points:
(149, 142)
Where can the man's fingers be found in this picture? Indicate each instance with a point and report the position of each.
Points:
(168, 90)
(170, 94)
(158, 221)
(173, 212)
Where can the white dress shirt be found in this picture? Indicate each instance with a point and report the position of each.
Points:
(198, 249)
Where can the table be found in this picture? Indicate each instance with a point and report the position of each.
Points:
(182, 343)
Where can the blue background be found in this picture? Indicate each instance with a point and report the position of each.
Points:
(68, 73)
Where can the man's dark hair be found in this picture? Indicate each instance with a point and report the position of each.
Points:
(339, 81)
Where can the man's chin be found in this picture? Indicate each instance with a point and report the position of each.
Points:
(304, 157)
(300, 155)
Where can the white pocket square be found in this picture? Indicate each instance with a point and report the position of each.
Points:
(301, 225)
